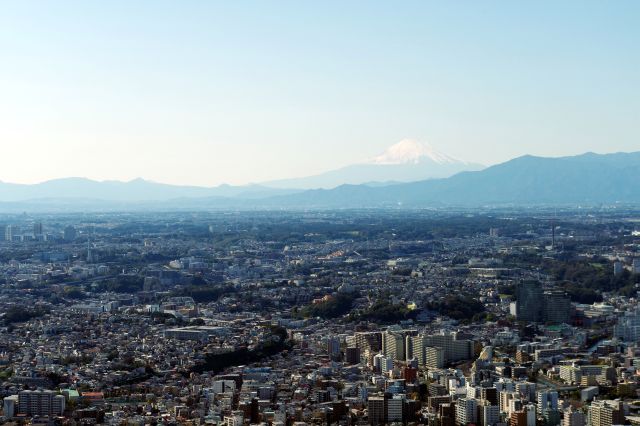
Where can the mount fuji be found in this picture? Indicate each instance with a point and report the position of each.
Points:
(406, 161)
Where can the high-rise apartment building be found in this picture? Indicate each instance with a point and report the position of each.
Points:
(606, 413)
(466, 411)
(371, 341)
(393, 345)
(382, 363)
(455, 349)
(417, 346)
(11, 232)
(547, 400)
(434, 357)
(526, 416)
(488, 414)
(518, 418)
(573, 417)
(40, 403)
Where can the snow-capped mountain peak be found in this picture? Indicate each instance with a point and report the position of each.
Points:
(406, 161)
(410, 151)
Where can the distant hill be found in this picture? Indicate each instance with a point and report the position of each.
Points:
(138, 190)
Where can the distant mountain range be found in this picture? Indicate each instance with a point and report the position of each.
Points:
(583, 179)
(587, 179)
(138, 190)
(406, 161)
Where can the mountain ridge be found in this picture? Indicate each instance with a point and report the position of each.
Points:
(527, 180)
(588, 178)
(137, 189)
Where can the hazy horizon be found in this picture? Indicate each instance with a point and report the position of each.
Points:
(210, 93)
(254, 183)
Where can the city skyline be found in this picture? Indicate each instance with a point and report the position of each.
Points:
(211, 93)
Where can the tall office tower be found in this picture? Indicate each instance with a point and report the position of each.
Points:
(37, 228)
(90, 255)
(395, 409)
(606, 413)
(466, 411)
(377, 410)
(557, 307)
(10, 232)
(547, 400)
(69, 233)
(529, 301)
(40, 403)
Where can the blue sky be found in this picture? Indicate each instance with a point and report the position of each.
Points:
(202, 92)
